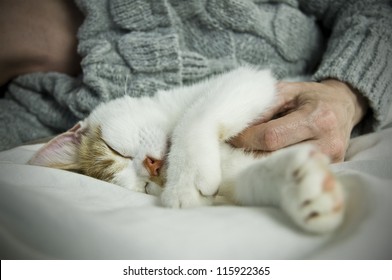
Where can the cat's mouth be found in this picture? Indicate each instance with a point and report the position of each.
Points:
(158, 180)
(146, 187)
(154, 186)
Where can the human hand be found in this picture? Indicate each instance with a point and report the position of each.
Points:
(320, 113)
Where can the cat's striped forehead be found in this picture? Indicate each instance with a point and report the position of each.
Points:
(97, 159)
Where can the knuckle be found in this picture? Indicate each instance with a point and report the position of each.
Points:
(326, 120)
(337, 149)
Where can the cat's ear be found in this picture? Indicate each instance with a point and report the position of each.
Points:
(62, 151)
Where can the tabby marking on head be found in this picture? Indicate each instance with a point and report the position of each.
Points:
(97, 159)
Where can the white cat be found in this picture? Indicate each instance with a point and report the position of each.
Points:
(174, 144)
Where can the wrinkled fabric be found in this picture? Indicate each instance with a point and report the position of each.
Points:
(136, 47)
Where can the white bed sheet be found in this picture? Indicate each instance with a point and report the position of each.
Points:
(53, 214)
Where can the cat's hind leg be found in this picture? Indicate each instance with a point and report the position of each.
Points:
(313, 197)
(299, 180)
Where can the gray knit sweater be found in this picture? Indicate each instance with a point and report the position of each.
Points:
(136, 47)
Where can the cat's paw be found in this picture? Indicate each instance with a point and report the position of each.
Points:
(183, 196)
(192, 182)
(312, 196)
(184, 191)
(185, 188)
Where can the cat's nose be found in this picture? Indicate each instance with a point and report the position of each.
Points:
(152, 165)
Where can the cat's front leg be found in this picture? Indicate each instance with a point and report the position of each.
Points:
(225, 106)
(194, 171)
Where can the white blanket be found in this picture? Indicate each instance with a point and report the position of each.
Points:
(47, 213)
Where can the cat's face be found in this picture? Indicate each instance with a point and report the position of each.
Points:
(124, 142)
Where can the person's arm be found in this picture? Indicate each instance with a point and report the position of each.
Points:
(355, 71)
(358, 50)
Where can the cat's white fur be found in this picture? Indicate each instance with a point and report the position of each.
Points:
(188, 128)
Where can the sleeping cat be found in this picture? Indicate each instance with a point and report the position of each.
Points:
(174, 145)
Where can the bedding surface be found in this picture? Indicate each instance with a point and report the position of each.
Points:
(54, 214)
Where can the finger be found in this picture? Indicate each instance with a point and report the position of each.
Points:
(331, 147)
(287, 100)
(290, 129)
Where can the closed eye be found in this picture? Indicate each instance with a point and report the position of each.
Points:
(116, 152)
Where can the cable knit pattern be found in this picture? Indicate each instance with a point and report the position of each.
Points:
(137, 47)
(364, 57)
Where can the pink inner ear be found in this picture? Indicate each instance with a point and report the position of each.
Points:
(71, 136)
(64, 139)
(76, 127)
(61, 150)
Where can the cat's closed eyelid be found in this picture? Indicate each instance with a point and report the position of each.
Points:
(116, 152)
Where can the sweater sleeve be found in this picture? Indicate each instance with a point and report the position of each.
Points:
(359, 50)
